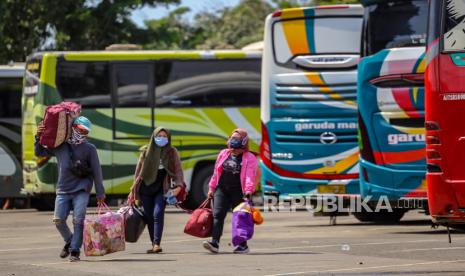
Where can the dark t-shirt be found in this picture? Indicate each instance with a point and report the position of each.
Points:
(231, 177)
(156, 187)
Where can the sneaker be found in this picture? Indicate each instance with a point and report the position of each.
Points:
(74, 257)
(211, 246)
(65, 251)
(241, 249)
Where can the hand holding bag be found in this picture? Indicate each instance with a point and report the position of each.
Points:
(242, 223)
(134, 222)
(200, 223)
(103, 233)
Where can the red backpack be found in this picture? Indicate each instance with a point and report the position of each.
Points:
(57, 122)
(200, 223)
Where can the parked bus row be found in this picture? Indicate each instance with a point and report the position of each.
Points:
(341, 108)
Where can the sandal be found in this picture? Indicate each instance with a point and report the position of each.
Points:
(155, 250)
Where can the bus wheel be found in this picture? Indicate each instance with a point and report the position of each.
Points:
(380, 217)
(43, 202)
(199, 189)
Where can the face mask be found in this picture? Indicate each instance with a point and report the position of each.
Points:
(77, 137)
(235, 143)
(161, 141)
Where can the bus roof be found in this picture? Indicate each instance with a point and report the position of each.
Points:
(12, 71)
(147, 55)
(319, 11)
(366, 3)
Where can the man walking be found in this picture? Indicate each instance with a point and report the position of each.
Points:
(78, 169)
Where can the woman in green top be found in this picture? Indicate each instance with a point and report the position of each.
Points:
(159, 165)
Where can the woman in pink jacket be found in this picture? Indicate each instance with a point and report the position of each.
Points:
(234, 178)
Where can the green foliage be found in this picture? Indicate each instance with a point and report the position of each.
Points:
(225, 28)
(29, 26)
(238, 26)
(170, 32)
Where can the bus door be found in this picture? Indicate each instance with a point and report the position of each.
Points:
(132, 86)
(446, 106)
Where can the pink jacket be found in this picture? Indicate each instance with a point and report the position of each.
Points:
(248, 171)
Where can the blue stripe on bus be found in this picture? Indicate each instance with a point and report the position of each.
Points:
(310, 29)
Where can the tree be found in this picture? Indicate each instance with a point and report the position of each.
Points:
(171, 32)
(95, 27)
(21, 29)
(27, 26)
(286, 4)
(234, 27)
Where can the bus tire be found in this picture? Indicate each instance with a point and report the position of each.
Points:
(200, 182)
(43, 202)
(380, 217)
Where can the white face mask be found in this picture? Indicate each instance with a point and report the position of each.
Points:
(77, 137)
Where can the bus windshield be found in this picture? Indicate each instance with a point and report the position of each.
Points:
(454, 25)
(335, 36)
(397, 33)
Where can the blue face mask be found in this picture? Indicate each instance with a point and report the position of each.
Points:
(161, 141)
(235, 143)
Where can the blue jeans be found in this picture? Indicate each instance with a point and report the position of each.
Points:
(64, 203)
(154, 210)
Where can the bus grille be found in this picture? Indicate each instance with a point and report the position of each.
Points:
(286, 93)
(313, 138)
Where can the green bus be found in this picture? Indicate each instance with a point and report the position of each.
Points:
(11, 83)
(201, 96)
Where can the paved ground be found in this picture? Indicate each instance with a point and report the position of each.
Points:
(286, 244)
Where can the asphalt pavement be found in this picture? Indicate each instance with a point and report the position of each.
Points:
(286, 244)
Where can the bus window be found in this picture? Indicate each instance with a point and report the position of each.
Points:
(131, 98)
(406, 26)
(132, 81)
(86, 83)
(454, 36)
(10, 98)
(169, 71)
(207, 83)
(335, 36)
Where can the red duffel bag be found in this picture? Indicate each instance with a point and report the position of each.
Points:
(57, 122)
(201, 222)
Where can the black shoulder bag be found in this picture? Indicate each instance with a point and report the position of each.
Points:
(78, 168)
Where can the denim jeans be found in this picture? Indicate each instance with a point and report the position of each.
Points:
(154, 210)
(64, 203)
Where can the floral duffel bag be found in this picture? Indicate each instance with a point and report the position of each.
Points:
(103, 233)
